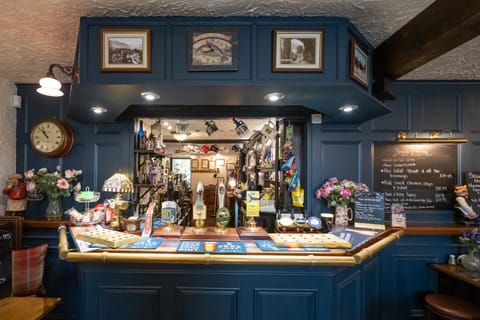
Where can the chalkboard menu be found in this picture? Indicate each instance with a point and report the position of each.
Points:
(370, 210)
(417, 176)
(473, 184)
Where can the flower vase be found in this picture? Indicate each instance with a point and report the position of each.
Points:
(343, 215)
(469, 261)
(54, 209)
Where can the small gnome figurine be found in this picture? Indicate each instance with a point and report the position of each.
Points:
(17, 195)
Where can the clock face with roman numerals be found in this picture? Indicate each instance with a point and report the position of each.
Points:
(51, 138)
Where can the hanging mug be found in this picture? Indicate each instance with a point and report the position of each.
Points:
(343, 214)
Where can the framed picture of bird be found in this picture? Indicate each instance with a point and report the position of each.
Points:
(212, 49)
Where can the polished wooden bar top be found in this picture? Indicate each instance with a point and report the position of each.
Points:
(26, 308)
(458, 272)
(167, 254)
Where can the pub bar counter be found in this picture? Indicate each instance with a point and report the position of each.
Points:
(164, 284)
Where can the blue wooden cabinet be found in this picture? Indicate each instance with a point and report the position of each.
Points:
(188, 292)
(406, 277)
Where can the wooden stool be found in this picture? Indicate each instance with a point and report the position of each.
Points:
(450, 308)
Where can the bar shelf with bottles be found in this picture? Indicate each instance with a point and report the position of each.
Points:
(151, 167)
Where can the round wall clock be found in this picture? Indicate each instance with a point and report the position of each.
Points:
(52, 138)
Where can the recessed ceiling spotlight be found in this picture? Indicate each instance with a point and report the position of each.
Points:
(150, 96)
(274, 96)
(348, 108)
(98, 109)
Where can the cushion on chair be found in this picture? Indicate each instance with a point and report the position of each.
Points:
(450, 307)
(27, 271)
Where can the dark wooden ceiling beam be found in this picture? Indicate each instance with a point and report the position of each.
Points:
(441, 27)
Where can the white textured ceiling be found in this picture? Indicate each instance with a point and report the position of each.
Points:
(36, 33)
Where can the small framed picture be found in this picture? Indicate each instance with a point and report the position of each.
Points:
(125, 50)
(211, 165)
(298, 51)
(205, 163)
(212, 49)
(194, 164)
(230, 166)
(358, 63)
(220, 163)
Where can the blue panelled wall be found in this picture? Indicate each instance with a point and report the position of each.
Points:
(388, 286)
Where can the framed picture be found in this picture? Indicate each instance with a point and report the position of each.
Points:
(125, 50)
(230, 166)
(358, 63)
(194, 164)
(205, 163)
(181, 165)
(298, 51)
(220, 162)
(211, 165)
(212, 49)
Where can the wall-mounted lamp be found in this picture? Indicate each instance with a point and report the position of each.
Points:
(240, 127)
(444, 136)
(211, 127)
(50, 86)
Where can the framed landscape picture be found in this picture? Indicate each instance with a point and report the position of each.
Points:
(125, 50)
(358, 63)
(298, 51)
(212, 49)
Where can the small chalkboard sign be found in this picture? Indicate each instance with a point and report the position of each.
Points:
(473, 184)
(370, 210)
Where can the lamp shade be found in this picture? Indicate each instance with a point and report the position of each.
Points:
(50, 87)
(118, 183)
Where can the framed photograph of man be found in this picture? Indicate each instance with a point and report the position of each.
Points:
(358, 63)
(298, 51)
(212, 49)
(125, 50)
